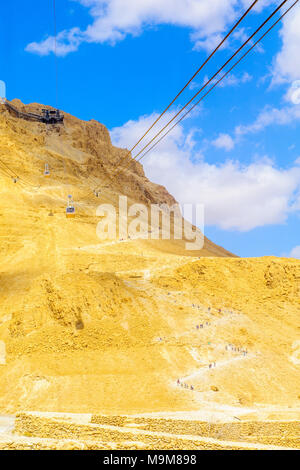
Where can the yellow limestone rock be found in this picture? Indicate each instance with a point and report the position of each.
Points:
(130, 326)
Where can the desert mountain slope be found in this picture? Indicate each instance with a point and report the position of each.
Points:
(91, 326)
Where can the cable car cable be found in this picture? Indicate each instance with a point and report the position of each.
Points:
(17, 176)
(220, 80)
(55, 51)
(195, 74)
(209, 81)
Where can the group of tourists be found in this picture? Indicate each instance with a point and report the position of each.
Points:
(184, 385)
(231, 347)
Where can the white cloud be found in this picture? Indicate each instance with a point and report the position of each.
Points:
(113, 20)
(293, 93)
(233, 80)
(208, 43)
(287, 65)
(224, 141)
(128, 134)
(66, 42)
(236, 196)
(267, 117)
(270, 116)
(230, 80)
(295, 253)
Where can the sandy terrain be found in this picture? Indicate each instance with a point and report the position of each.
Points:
(131, 327)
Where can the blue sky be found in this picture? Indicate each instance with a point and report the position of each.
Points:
(122, 61)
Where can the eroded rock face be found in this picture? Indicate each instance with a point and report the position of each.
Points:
(89, 325)
(88, 144)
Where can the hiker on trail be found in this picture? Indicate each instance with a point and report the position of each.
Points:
(197, 326)
(192, 388)
(178, 382)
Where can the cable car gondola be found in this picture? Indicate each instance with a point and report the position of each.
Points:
(47, 171)
(70, 210)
